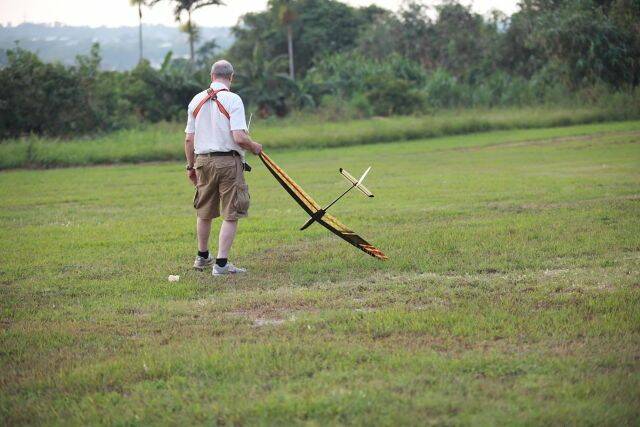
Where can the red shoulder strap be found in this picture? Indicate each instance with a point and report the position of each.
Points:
(213, 96)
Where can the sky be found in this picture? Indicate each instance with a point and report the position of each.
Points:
(114, 13)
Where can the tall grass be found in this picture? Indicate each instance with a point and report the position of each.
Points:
(164, 141)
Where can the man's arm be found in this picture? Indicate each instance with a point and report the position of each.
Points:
(239, 129)
(188, 152)
(242, 138)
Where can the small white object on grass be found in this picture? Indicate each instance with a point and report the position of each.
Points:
(173, 278)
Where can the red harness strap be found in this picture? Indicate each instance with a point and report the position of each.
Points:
(213, 96)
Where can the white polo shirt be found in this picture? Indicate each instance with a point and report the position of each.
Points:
(212, 129)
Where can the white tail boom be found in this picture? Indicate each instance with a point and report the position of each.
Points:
(358, 182)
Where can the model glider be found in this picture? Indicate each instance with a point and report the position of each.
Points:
(319, 214)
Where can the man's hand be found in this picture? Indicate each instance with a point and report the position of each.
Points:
(188, 152)
(257, 148)
(191, 174)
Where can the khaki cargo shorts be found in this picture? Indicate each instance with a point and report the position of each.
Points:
(221, 189)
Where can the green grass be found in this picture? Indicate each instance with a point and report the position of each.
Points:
(512, 293)
(164, 141)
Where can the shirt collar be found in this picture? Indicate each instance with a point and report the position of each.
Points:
(218, 85)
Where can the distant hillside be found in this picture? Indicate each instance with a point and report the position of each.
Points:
(119, 46)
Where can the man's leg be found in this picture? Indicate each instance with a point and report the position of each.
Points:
(232, 197)
(203, 229)
(228, 231)
(204, 259)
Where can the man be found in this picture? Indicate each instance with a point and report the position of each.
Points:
(215, 145)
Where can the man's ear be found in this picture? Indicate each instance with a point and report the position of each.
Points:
(231, 78)
(211, 78)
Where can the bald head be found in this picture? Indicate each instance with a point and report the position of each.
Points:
(222, 70)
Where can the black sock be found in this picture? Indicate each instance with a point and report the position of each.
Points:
(204, 254)
(221, 262)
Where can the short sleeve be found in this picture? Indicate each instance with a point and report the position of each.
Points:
(191, 121)
(237, 120)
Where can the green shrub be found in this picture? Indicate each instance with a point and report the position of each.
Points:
(443, 90)
(349, 75)
(361, 106)
(388, 96)
(57, 100)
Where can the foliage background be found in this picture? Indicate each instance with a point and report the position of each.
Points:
(356, 62)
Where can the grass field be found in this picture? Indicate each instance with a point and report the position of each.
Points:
(512, 293)
(163, 142)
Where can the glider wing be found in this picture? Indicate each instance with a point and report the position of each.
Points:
(303, 199)
(311, 207)
(332, 224)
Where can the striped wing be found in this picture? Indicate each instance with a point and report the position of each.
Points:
(311, 207)
(298, 194)
(332, 224)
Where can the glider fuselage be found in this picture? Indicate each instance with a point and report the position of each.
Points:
(355, 183)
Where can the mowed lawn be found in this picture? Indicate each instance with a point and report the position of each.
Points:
(512, 293)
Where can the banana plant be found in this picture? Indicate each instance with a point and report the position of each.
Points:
(264, 83)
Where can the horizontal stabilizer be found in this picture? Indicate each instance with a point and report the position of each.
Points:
(357, 183)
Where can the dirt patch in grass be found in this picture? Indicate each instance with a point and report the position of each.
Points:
(267, 322)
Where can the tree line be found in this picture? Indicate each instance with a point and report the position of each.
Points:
(326, 56)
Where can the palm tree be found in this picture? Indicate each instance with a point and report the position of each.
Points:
(286, 16)
(189, 27)
(139, 4)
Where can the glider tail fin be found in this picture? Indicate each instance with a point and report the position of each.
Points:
(364, 174)
(358, 182)
(316, 216)
(308, 223)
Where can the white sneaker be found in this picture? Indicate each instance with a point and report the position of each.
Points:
(201, 263)
(227, 269)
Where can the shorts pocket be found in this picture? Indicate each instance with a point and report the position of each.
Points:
(242, 199)
(200, 172)
(195, 199)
